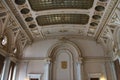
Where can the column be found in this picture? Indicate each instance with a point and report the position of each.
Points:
(46, 71)
(17, 73)
(6, 69)
(113, 71)
(0, 42)
(79, 69)
(16, 70)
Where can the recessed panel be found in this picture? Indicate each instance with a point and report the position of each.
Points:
(93, 24)
(20, 2)
(62, 19)
(28, 19)
(32, 26)
(99, 8)
(38, 5)
(96, 17)
(25, 11)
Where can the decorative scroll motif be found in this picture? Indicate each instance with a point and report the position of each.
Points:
(64, 64)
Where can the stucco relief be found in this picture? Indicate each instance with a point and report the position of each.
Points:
(64, 64)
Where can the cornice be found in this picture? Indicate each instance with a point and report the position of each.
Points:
(18, 18)
(96, 59)
(85, 59)
(109, 12)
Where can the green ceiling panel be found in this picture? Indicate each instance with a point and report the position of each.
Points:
(38, 5)
(62, 19)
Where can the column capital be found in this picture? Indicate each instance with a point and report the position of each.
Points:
(48, 60)
(80, 60)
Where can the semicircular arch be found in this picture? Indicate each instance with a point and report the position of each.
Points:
(64, 45)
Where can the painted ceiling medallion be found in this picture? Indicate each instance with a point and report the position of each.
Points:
(20, 2)
(62, 19)
(38, 5)
(28, 19)
(93, 24)
(96, 17)
(99, 8)
(32, 26)
(25, 11)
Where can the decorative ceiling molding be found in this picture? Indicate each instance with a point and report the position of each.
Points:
(85, 59)
(16, 35)
(50, 20)
(107, 16)
(10, 6)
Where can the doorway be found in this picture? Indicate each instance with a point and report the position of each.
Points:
(94, 79)
(33, 79)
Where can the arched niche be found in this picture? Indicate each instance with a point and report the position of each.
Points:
(64, 62)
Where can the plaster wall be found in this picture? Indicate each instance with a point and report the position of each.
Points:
(90, 50)
(41, 48)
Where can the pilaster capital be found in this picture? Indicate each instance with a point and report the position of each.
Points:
(80, 60)
(48, 60)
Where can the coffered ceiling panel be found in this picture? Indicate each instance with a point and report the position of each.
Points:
(62, 19)
(39, 5)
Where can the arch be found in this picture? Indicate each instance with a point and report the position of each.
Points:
(70, 51)
(63, 43)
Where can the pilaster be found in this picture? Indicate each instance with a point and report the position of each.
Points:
(6, 69)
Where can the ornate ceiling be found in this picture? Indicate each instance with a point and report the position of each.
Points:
(44, 19)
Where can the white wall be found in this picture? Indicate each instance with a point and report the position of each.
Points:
(22, 71)
(31, 67)
(93, 68)
(89, 47)
(39, 50)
